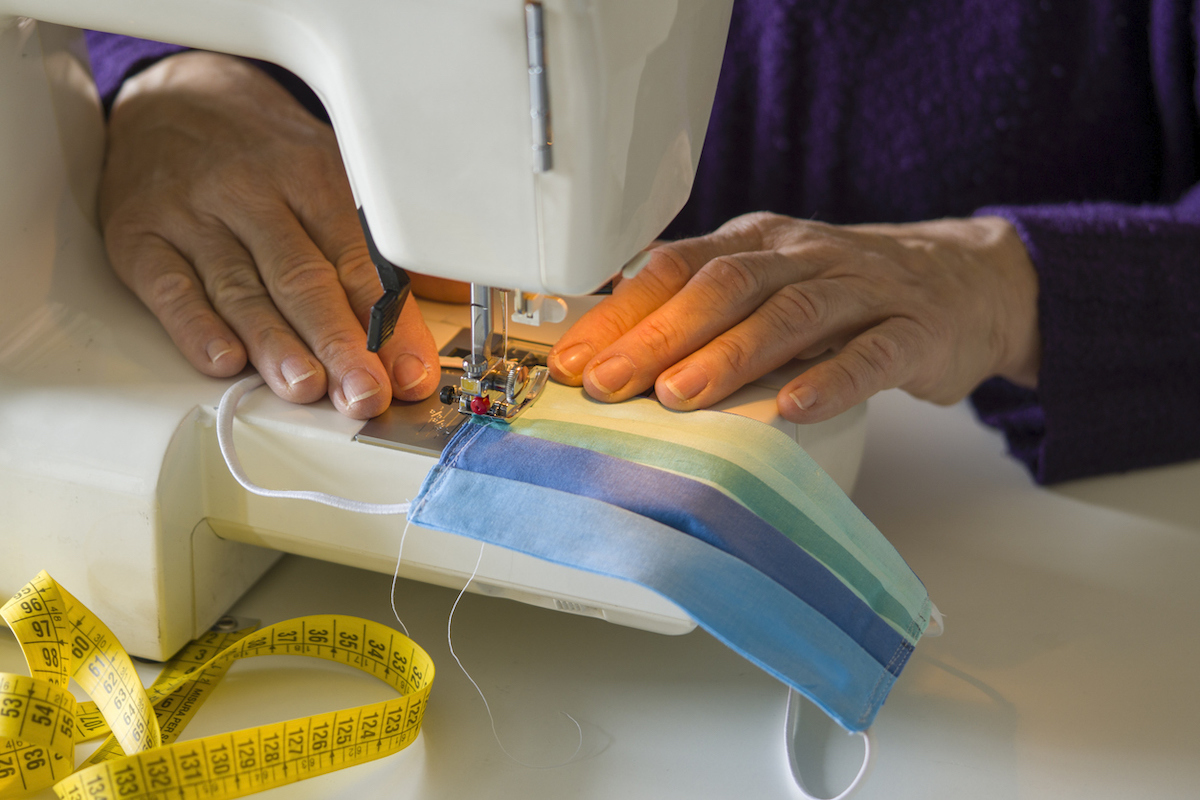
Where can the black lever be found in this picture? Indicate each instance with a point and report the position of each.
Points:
(395, 281)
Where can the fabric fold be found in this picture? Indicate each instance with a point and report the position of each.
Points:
(754, 616)
(824, 606)
(687, 506)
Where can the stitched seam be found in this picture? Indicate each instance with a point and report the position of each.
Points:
(461, 445)
(866, 712)
(903, 661)
(901, 650)
(923, 617)
(873, 697)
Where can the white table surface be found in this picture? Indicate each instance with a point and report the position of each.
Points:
(1068, 669)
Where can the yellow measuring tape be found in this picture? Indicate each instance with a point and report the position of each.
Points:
(40, 721)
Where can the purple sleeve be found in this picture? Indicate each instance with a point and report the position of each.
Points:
(1119, 310)
(1118, 304)
(115, 58)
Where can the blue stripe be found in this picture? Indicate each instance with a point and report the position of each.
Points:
(685, 505)
(733, 601)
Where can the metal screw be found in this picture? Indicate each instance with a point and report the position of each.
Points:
(517, 376)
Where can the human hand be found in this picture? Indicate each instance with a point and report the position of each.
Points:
(931, 307)
(226, 208)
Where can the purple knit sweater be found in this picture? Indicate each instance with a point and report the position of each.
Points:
(1077, 121)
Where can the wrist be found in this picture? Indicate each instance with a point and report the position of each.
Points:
(1001, 246)
(1002, 278)
(189, 69)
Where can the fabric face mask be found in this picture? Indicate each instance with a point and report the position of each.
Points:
(723, 515)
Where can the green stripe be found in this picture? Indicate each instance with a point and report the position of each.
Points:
(748, 490)
(759, 450)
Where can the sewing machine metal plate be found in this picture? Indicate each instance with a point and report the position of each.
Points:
(424, 427)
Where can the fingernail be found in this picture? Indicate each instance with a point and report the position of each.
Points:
(572, 361)
(358, 385)
(296, 369)
(688, 382)
(613, 372)
(805, 397)
(408, 371)
(217, 348)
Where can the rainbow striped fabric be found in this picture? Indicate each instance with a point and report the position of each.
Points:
(726, 516)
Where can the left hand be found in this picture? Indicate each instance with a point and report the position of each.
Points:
(226, 209)
(932, 307)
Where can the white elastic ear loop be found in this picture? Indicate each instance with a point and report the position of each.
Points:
(225, 413)
(791, 722)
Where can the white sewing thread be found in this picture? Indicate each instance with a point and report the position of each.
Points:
(791, 721)
(225, 414)
(396, 576)
(487, 707)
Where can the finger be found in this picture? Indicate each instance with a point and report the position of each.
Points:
(337, 233)
(745, 234)
(800, 320)
(720, 296)
(234, 287)
(319, 196)
(166, 283)
(671, 267)
(410, 355)
(308, 292)
(883, 357)
(631, 301)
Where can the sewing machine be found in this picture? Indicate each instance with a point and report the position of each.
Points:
(537, 147)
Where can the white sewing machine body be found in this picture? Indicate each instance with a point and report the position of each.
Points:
(110, 477)
(431, 101)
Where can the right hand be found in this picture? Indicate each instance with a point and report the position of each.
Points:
(931, 307)
(226, 208)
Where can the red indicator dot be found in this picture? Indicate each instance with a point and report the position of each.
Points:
(481, 404)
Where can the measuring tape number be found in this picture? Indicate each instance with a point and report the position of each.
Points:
(141, 758)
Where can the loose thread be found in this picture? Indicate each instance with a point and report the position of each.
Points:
(226, 411)
(486, 705)
(396, 576)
